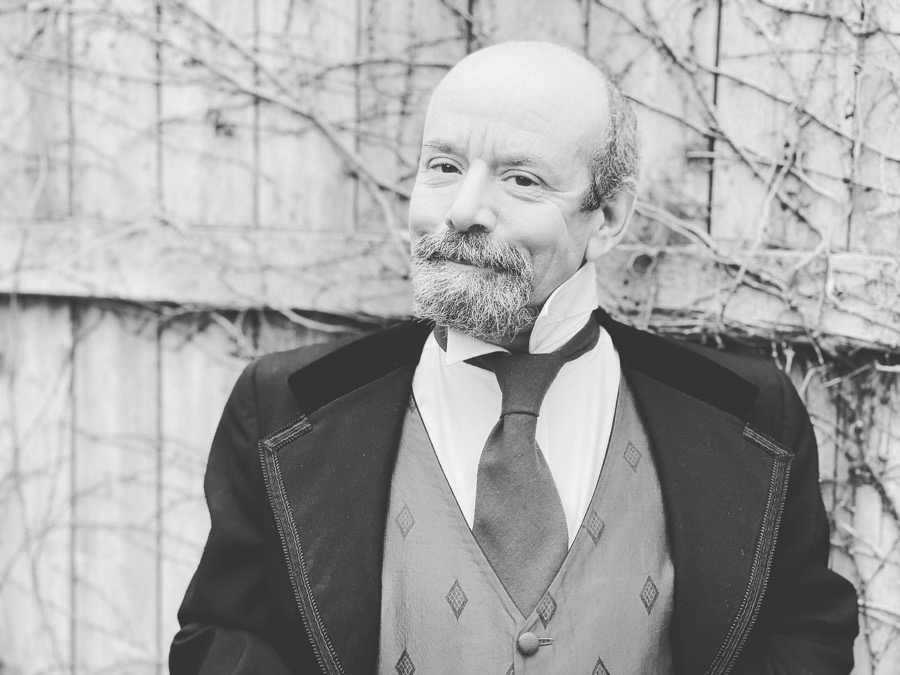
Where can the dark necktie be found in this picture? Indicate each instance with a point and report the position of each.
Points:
(519, 522)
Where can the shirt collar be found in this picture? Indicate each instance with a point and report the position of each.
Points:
(564, 313)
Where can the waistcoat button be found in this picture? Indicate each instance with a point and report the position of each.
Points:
(528, 643)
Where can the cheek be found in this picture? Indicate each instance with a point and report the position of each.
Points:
(555, 250)
(427, 210)
(542, 231)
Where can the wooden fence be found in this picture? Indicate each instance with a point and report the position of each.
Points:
(112, 408)
(187, 183)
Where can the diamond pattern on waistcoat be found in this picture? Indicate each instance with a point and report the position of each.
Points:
(546, 609)
(594, 525)
(632, 456)
(511, 670)
(405, 520)
(405, 665)
(600, 668)
(457, 599)
(649, 594)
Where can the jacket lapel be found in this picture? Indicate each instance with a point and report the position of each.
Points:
(723, 488)
(328, 476)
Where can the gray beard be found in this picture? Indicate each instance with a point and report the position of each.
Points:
(488, 302)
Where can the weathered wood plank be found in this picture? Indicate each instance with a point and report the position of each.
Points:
(560, 22)
(661, 52)
(842, 300)
(114, 112)
(35, 143)
(872, 428)
(116, 507)
(839, 301)
(207, 123)
(307, 51)
(784, 89)
(35, 495)
(221, 267)
(15, 121)
(875, 204)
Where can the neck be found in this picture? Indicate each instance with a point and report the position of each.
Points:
(518, 343)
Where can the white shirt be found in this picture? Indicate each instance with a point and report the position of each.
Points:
(460, 403)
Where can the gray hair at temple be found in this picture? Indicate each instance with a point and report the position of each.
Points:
(613, 164)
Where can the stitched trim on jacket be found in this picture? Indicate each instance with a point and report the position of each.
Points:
(289, 432)
(290, 543)
(762, 556)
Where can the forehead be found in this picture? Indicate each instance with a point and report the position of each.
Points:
(519, 107)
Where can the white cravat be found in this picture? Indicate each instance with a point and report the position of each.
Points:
(460, 403)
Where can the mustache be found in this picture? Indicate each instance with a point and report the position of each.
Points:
(478, 249)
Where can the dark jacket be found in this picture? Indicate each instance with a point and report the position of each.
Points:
(299, 478)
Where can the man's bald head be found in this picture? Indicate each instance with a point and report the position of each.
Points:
(505, 74)
(529, 64)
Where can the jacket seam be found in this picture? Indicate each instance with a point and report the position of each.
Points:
(298, 570)
(760, 569)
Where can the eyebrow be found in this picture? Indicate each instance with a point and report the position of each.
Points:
(440, 147)
(527, 160)
(521, 160)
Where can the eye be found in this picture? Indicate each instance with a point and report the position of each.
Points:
(523, 180)
(444, 167)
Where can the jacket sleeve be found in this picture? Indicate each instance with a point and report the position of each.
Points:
(808, 620)
(227, 622)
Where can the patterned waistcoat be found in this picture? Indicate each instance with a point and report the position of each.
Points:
(607, 611)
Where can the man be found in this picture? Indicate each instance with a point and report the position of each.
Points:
(518, 484)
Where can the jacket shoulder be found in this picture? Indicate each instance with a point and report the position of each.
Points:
(266, 378)
(757, 370)
(279, 365)
(777, 401)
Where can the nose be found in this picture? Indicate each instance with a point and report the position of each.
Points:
(471, 208)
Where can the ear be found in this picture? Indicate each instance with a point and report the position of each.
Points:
(611, 219)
